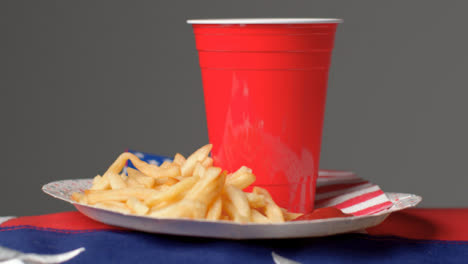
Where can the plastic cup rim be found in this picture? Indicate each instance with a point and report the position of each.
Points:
(243, 21)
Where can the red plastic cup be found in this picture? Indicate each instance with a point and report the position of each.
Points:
(265, 83)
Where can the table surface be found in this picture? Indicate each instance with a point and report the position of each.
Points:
(410, 236)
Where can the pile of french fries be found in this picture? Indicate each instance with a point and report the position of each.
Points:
(184, 188)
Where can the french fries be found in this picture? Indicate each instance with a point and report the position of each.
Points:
(114, 206)
(137, 206)
(172, 193)
(116, 181)
(242, 178)
(239, 201)
(256, 200)
(100, 183)
(184, 188)
(272, 211)
(199, 155)
(215, 210)
(178, 159)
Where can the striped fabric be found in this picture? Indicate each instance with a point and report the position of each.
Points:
(349, 193)
(5, 218)
(410, 236)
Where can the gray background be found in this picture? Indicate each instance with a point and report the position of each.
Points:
(83, 80)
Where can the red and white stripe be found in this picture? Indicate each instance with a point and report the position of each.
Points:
(348, 192)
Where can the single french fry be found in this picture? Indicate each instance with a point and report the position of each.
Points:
(207, 162)
(160, 181)
(133, 183)
(263, 192)
(256, 200)
(239, 200)
(171, 211)
(289, 216)
(171, 171)
(179, 159)
(166, 164)
(244, 169)
(136, 206)
(161, 188)
(214, 211)
(100, 183)
(116, 181)
(179, 178)
(161, 205)
(242, 178)
(119, 163)
(199, 170)
(198, 209)
(172, 193)
(272, 211)
(232, 212)
(84, 199)
(114, 206)
(76, 196)
(199, 155)
(131, 172)
(257, 217)
(147, 169)
(169, 181)
(147, 181)
(97, 179)
(158, 172)
(181, 209)
(121, 195)
(143, 167)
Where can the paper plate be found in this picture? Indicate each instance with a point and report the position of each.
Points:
(224, 229)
